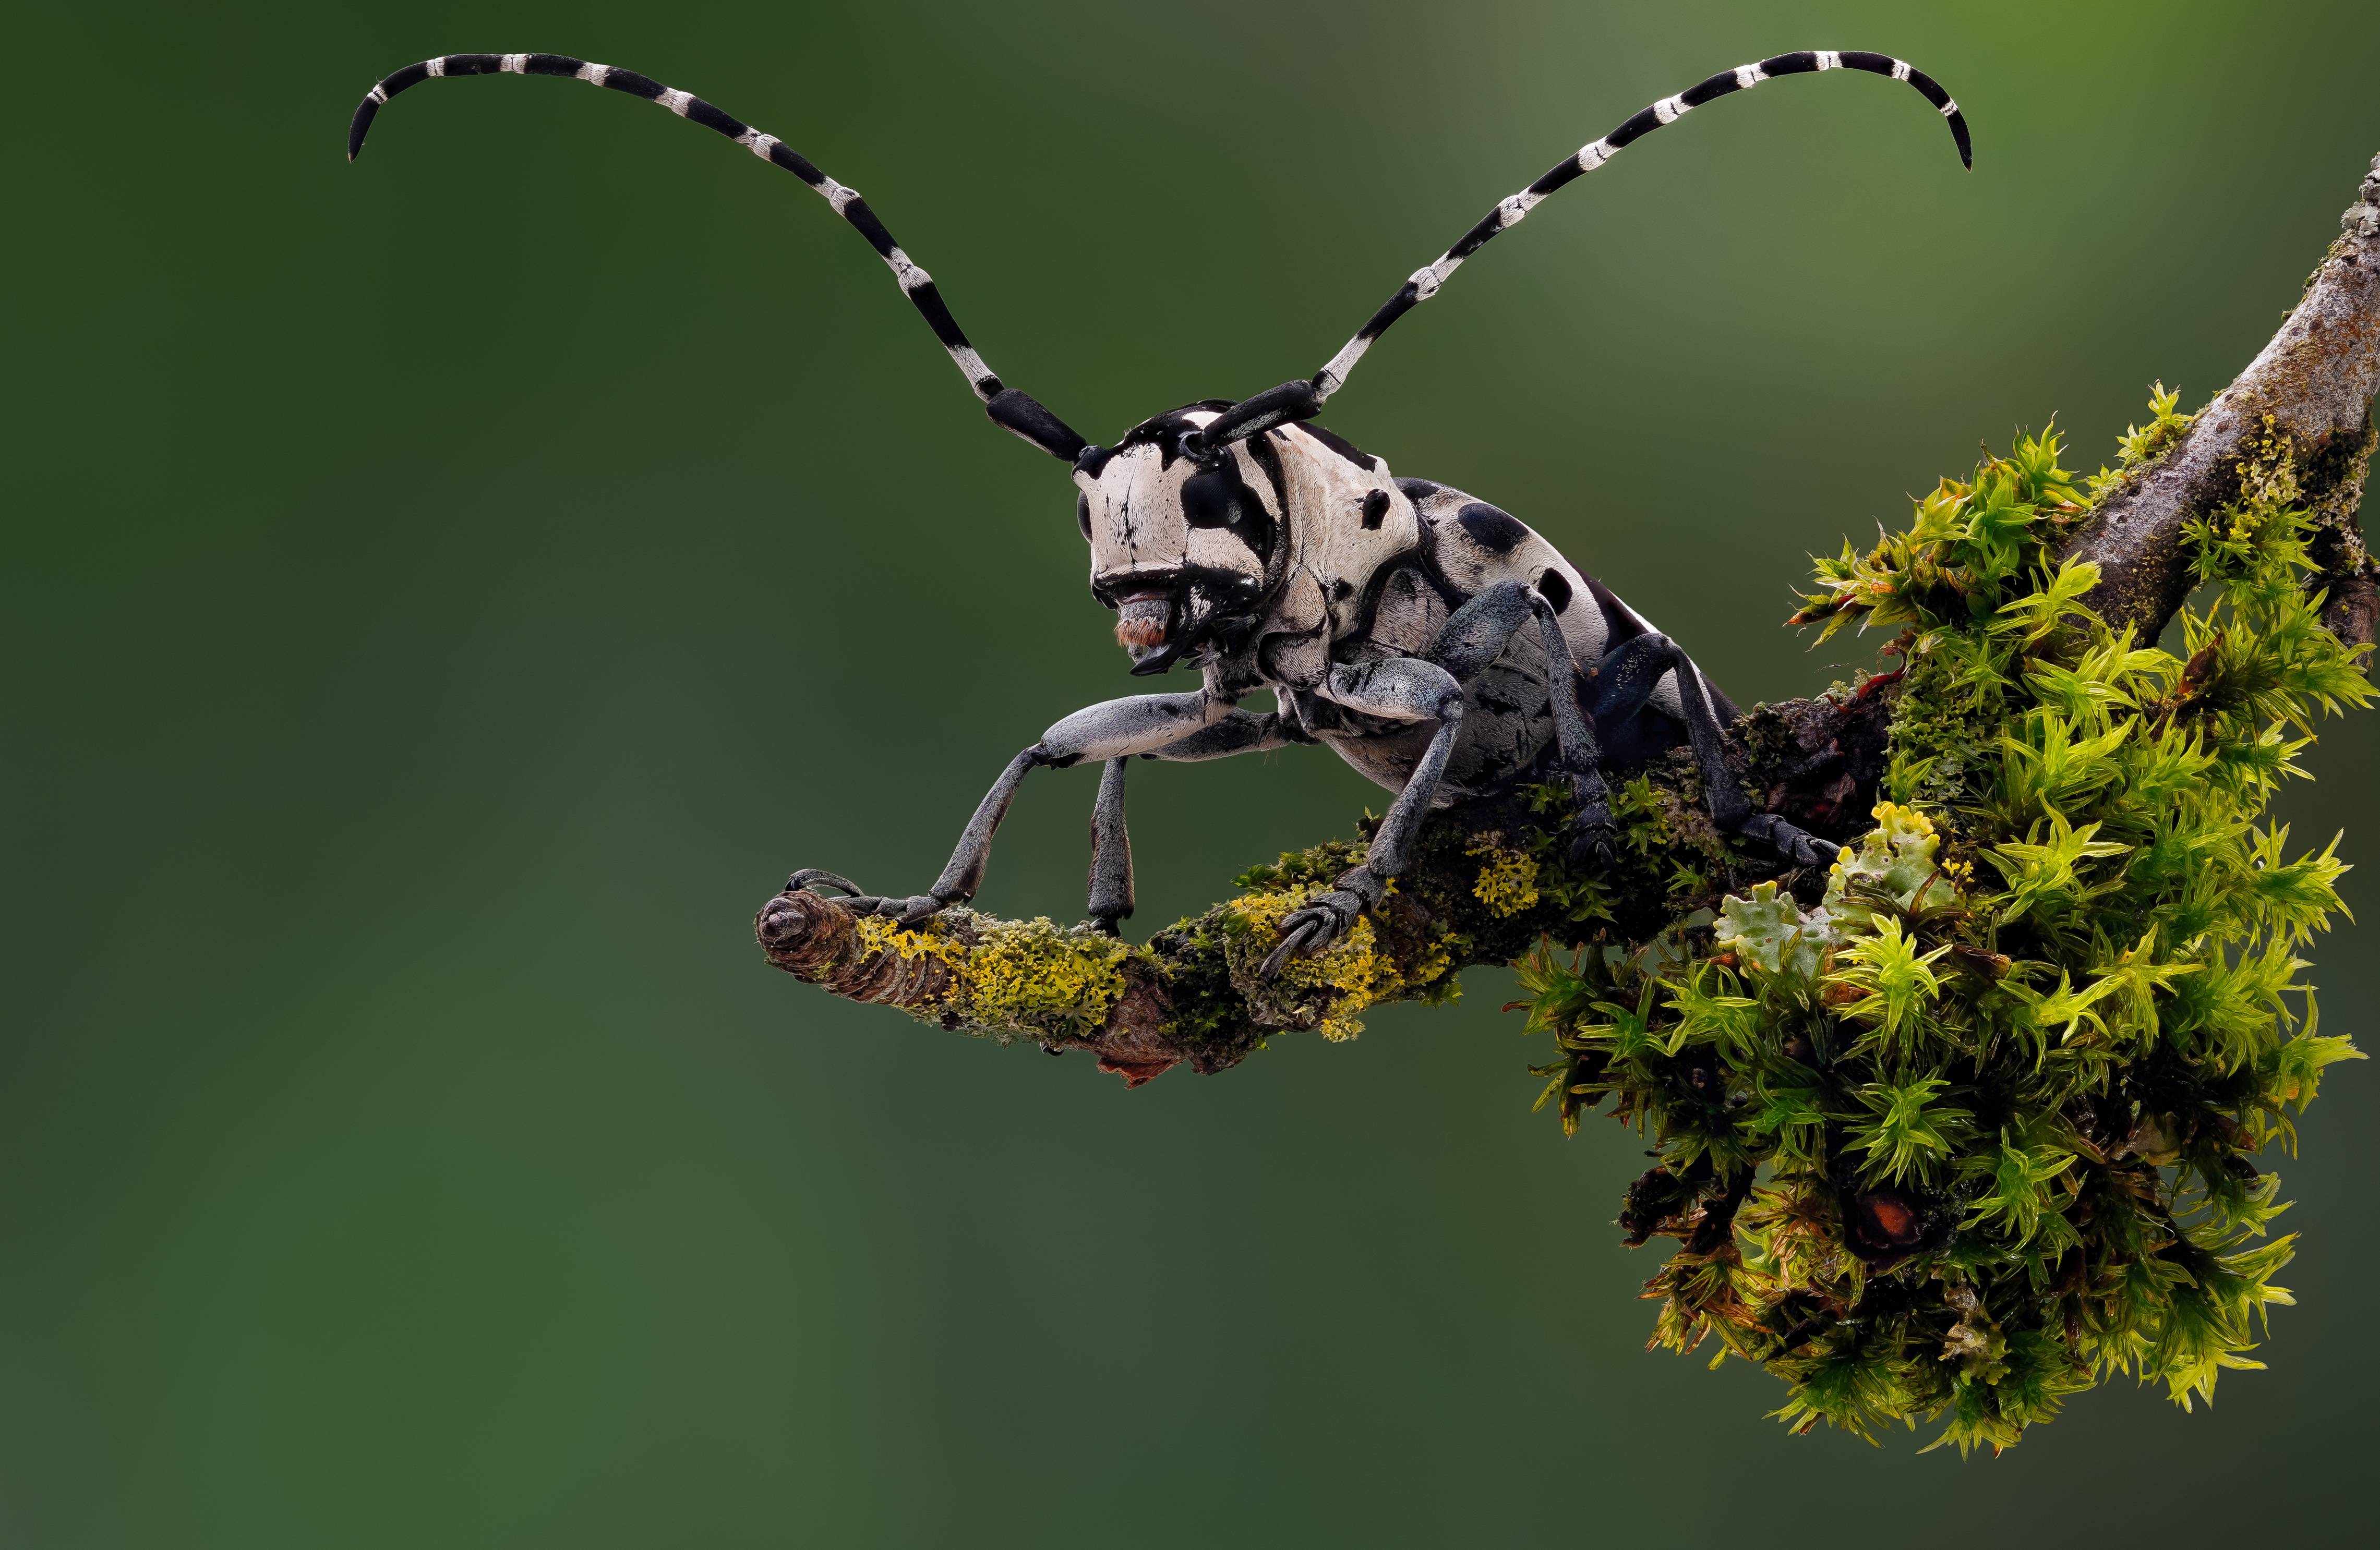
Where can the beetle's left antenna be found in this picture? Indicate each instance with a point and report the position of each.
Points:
(1009, 407)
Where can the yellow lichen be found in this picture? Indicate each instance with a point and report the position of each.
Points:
(1508, 883)
(1354, 966)
(1033, 976)
(879, 935)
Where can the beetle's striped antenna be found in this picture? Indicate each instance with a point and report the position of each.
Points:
(1009, 407)
(1300, 400)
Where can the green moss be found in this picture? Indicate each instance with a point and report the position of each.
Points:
(1973, 1132)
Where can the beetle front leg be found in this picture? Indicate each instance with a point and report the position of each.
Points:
(1110, 900)
(1235, 732)
(1116, 730)
(1401, 688)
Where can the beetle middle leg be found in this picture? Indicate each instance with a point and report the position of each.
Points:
(1430, 687)
(1398, 688)
(1470, 642)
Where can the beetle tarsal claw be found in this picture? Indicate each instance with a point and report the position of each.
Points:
(1794, 844)
(913, 911)
(1309, 930)
(1291, 940)
(1594, 840)
(811, 877)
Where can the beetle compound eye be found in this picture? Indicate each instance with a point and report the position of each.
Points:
(1218, 499)
(1083, 515)
(1375, 508)
(1211, 499)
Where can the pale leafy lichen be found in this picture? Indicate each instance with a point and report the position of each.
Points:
(1507, 878)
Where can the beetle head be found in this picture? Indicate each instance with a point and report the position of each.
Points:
(1185, 548)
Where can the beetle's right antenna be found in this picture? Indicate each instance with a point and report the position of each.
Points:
(1009, 407)
(1302, 399)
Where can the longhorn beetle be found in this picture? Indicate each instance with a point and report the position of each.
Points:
(1432, 640)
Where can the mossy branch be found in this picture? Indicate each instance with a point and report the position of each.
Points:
(1490, 880)
(1974, 1121)
(1189, 996)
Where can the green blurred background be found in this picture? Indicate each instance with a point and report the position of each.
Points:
(445, 594)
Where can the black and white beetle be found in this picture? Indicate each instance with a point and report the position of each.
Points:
(1390, 618)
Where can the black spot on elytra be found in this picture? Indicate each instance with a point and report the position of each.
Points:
(1495, 531)
(1375, 508)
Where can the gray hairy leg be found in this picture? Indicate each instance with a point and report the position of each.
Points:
(1116, 730)
(1110, 891)
(1402, 689)
(1593, 835)
(1110, 850)
(1241, 731)
(1470, 642)
(1630, 673)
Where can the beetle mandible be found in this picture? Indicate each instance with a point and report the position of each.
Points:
(1434, 642)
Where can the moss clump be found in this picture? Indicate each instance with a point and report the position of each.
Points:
(1974, 1130)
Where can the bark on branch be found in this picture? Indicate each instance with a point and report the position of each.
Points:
(2311, 386)
(1473, 895)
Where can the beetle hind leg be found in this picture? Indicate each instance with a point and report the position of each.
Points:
(1628, 676)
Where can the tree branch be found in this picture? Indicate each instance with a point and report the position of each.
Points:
(1491, 878)
(2310, 390)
